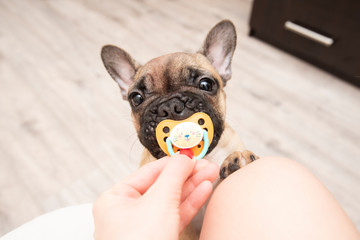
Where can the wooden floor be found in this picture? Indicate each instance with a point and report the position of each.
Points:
(66, 135)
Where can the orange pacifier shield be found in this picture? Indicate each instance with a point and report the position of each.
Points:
(194, 133)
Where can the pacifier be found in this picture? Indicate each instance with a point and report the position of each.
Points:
(191, 136)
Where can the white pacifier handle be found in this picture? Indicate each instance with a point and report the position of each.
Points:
(203, 152)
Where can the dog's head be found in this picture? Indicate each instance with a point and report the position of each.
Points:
(177, 85)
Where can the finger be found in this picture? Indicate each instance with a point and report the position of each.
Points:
(141, 180)
(199, 165)
(192, 204)
(207, 171)
(173, 177)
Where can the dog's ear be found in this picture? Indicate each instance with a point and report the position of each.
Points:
(219, 48)
(120, 66)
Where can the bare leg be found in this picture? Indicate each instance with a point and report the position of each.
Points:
(275, 198)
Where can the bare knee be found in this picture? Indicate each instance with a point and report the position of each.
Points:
(268, 178)
(274, 198)
(269, 168)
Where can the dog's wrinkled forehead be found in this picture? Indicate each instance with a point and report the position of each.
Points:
(166, 73)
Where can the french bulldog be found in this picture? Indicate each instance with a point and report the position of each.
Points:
(177, 85)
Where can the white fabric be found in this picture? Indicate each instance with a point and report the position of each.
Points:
(70, 223)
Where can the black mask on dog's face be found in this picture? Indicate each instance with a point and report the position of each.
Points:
(179, 106)
(176, 86)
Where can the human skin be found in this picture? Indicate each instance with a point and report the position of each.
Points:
(155, 202)
(275, 198)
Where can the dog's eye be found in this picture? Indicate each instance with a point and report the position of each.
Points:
(136, 99)
(206, 84)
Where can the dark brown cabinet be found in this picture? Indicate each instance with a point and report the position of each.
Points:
(323, 32)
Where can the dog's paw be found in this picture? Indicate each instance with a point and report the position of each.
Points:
(235, 161)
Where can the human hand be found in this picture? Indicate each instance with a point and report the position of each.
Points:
(156, 202)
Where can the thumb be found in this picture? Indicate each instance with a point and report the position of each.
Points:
(172, 178)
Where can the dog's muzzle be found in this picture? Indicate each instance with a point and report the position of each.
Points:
(178, 106)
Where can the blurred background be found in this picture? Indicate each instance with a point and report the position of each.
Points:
(66, 135)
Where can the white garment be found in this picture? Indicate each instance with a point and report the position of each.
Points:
(70, 223)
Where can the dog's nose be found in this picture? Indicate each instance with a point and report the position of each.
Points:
(173, 108)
